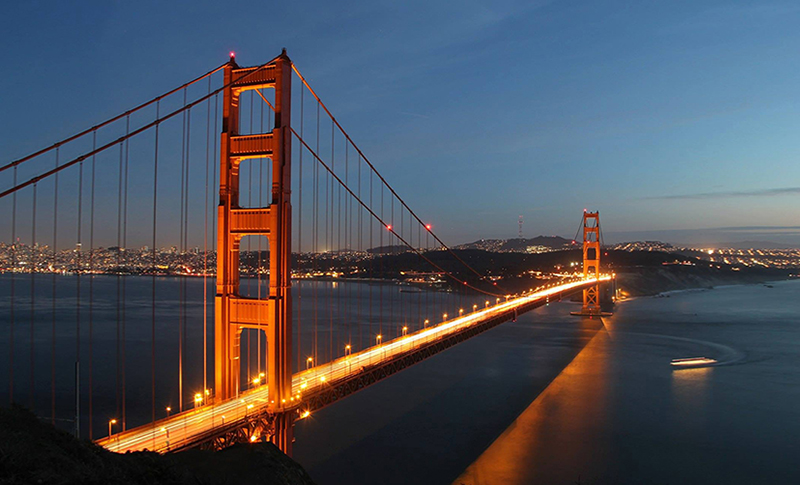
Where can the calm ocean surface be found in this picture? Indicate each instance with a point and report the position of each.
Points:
(547, 399)
(553, 399)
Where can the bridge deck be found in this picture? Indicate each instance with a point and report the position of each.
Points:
(321, 385)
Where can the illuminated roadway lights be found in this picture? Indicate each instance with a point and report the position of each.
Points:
(168, 410)
(425, 323)
(198, 400)
(202, 420)
(460, 312)
(474, 308)
(308, 362)
(444, 317)
(405, 330)
(347, 349)
(487, 303)
(110, 424)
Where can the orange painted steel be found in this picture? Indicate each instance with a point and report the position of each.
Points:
(591, 262)
(233, 312)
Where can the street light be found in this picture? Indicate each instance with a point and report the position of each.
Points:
(168, 410)
(347, 350)
(110, 424)
(405, 330)
(198, 400)
(426, 323)
(487, 303)
(460, 311)
(444, 317)
(474, 307)
(378, 339)
(308, 362)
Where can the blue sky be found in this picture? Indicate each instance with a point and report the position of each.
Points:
(671, 118)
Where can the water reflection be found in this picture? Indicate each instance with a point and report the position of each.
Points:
(690, 395)
(559, 429)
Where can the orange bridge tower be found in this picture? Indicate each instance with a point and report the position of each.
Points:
(591, 264)
(273, 314)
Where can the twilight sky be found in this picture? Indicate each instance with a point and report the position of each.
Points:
(678, 120)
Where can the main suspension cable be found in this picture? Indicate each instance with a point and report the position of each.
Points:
(131, 134)
(385, 225)
(109, 121)
(400, 199)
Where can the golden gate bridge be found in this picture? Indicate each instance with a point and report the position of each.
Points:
(271, 352)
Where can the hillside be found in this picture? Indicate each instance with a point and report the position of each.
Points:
(518, 244)
(33, 452)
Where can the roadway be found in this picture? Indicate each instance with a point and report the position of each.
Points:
(181, 429)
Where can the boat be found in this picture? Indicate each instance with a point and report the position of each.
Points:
(692, 362)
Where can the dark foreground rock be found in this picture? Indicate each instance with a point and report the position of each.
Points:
(33, 452)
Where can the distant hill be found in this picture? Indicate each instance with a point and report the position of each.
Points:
(388, 249)
(747, 245)
(520, 245)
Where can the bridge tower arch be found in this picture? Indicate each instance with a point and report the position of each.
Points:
(591, 264)
(233, 312)
(591, 261)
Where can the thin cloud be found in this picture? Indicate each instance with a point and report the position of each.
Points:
(731, 194)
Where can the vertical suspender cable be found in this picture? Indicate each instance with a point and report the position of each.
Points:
(249, 239)
(213, 223)
(316, 247)
(153, 269)
(33, 294)
(380, 260)
(13, 299)
(78, 293)
(91, 286)
(371, 265)
(347, 231)
(360, 247)
(205, 242)
(258, 259)
(300, 241)
(55, 264)
(329, 243)
(181, 295)
(118, 387)
(124, 282)
(184, 280)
